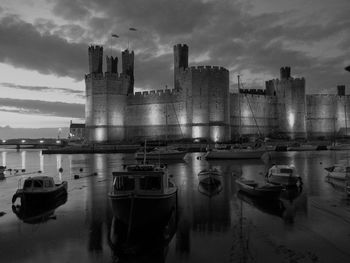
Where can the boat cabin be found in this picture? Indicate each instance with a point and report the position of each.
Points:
(39, 183)
(143, 179)
(282, 169)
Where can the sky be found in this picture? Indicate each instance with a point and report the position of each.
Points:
(44, 45)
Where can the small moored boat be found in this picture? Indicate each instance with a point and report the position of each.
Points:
(252, 188)
(209, 182)
(162, 153)
(40, 190)
(338, 171)
(143, 195)
(283, 174)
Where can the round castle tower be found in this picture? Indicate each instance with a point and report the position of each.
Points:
(207, 97)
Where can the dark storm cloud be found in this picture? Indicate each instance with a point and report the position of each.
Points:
(223, 33)
(41, 88)
(21, 45)
(38, 107)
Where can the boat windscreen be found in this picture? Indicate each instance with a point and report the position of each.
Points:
(27, 184)
(286, 171)
(124, 183)
(150, 183)
(37, 183)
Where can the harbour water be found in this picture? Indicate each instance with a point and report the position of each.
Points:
(309, 224)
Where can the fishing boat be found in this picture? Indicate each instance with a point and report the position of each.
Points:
(39, 190)
(283, 174)
(338, 171)
(143, 194)
(251, 187)
(209, 182)
(36, 214)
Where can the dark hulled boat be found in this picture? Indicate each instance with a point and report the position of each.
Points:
(143, 195)
(252, 188)
(39, 191)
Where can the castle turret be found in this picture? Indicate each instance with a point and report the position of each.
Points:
(112, 64)
(128, 68)
(180, 62)
(285, 73)
(95, 59)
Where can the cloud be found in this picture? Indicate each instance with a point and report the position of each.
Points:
(41, 88)
(38, 107)
(21, 45)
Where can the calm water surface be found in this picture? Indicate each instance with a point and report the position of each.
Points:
(311, 224)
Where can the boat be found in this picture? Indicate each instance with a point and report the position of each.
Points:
(36, 214)
(39, 190)
(209, 182)
(143, 194)
(301, 147)
(2, 172)
(237, 153)
(283, 174)
(251, 187)
(338, 171)
(162, 153)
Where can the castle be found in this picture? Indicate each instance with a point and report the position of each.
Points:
(201, 107)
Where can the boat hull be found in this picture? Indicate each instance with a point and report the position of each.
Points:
(140, 211)
(268, 192)
(227, 154)
(161, 156)
(283, 180)
(30, 198)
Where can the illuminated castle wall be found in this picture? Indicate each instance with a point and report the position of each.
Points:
(201, 106)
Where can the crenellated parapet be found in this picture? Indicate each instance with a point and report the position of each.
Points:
(253, 91)
(155, 96)
(207, 69)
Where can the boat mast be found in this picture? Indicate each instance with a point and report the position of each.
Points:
(239, 107)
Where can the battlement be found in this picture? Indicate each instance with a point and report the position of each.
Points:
(207, 69)
(253, 91)
(281, 81)
(93, 48)
(106, 75)
(154, 93)
(155, 96)
(180, 46)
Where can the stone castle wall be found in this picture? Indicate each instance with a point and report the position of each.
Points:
(252, 114)
(156, 114)
(327, 115)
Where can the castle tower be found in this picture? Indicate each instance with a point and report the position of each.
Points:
(291, 103)
(95, 59)
(112, 64)
(180, 62)
(128, 68)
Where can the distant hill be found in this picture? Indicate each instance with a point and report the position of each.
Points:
(14, 133)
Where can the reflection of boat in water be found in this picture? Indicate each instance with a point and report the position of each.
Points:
(267, 191)
(147, 244)
(142, 195)
(283, 175)
(273, 207)
(35, 214)
(209, 182)
(40, 190)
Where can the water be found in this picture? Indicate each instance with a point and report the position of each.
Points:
(312, 225)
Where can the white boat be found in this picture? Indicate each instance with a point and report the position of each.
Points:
(339, 147)
(209, 182)
(283, 174)
(267, 191)
(338, 171)
(161, 153)
(143, 195)
(237, 153)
